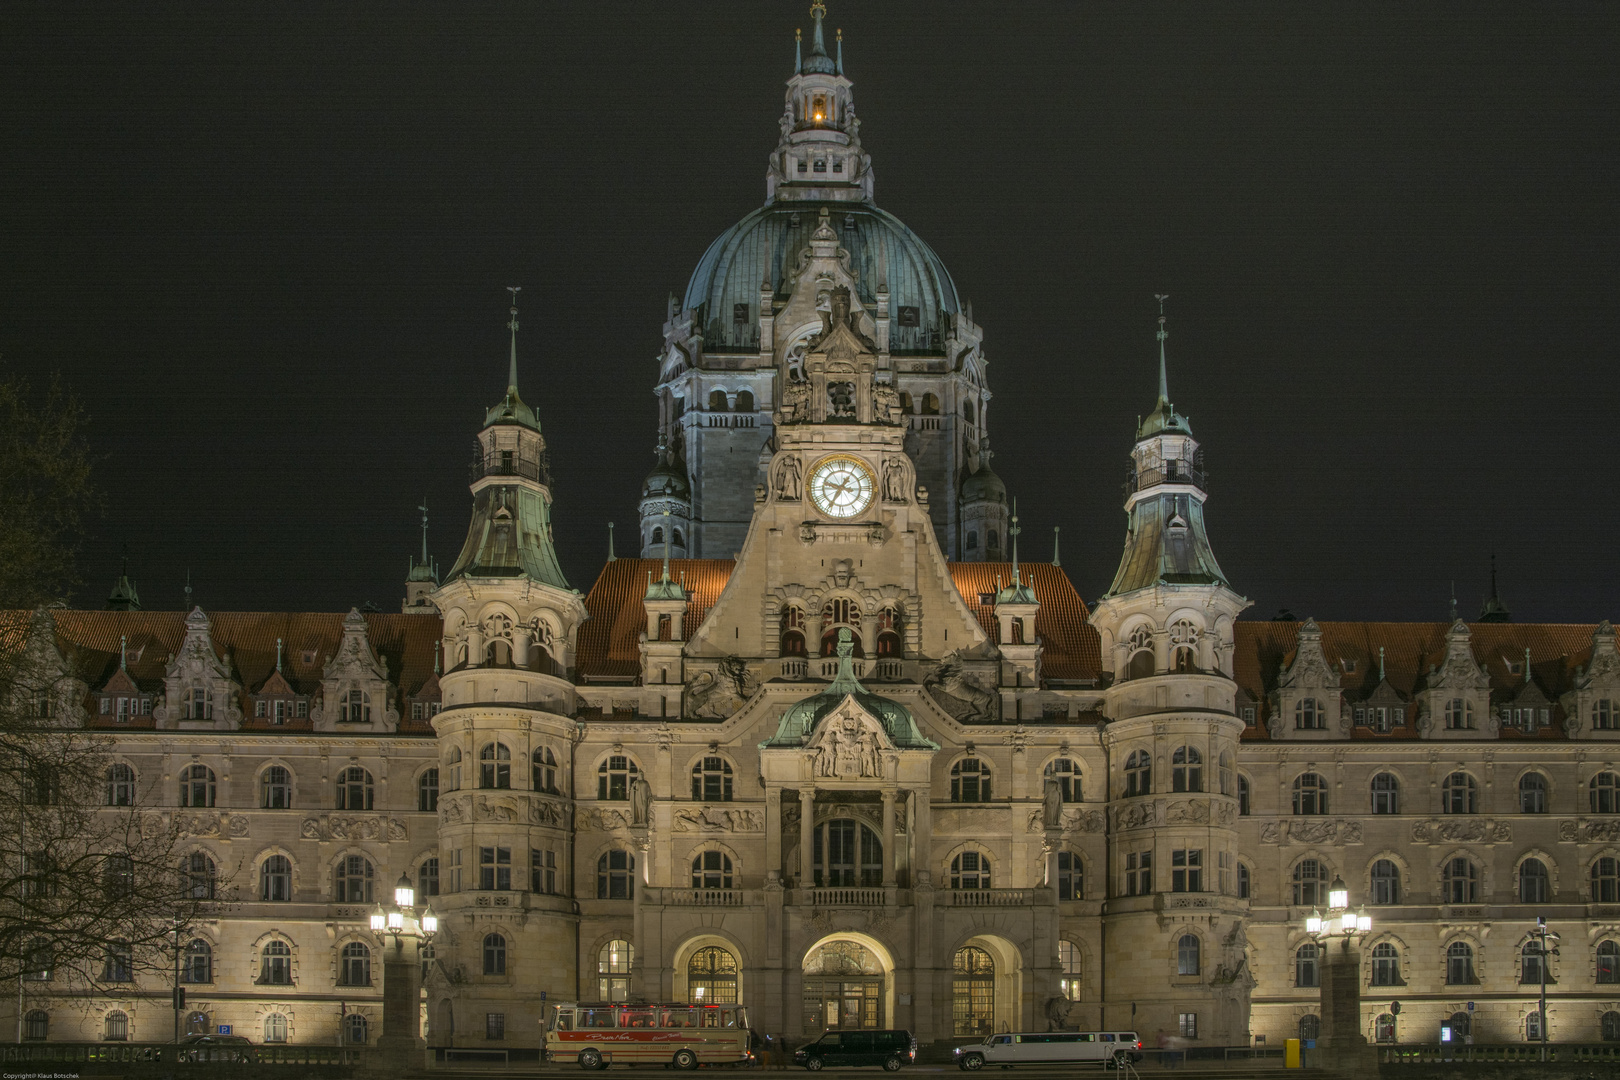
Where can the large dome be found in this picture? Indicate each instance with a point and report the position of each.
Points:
(767, 242)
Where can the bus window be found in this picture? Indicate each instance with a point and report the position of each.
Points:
(709, 1017)
(563, 1020)
(678, 1018)
(637, 1018)
(728, 1018)
(1084, 1036)
(596, 1018)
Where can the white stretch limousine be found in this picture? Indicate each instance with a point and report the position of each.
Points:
(1104, 1048)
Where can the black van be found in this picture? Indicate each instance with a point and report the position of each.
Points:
(890, 1049)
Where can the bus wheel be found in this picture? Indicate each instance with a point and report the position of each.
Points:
(685, 1059)
(972, 1062)
(591, 1059)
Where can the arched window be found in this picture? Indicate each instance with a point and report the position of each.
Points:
(1186, 769)
(711, 779)
(1139, 773)
(1070, 971)
(354, 707)
(494, 954)
(427, 877)
(454, 762)
(1386, 882)
(1530, 963)
(355, 1029)
(889, 642)
(1603, 793)
(1459, 714)
(717, 401)
(1386, 794)
(1608, 963)
(792, 630)
(745, 401)
(1227, 772)
(930, 404)
(1532, 793)
(1309, 715)
(275, 964)
(1183, 641)
(275, 788)
(973, 991)
(1244, 884)
(1310, 1027)
(615, 875)
(275, 1028)
(1459, 795)
(846, 854)
(1187, 955)
(970, 781)
(1533, 1023)
(711, 977)
(1611, 1027)
(197, 962)
(613, 965)
(973, 540)
(970, 870)
(1606, 880)
(37, 1025)
(197, 786)
(120, 963)
(1459, 884)
(116, 1027)
(992, 541)
(355, 790)
(1535, 886)
(1605, 714)
(1066, 771)
(613, 777)
(1386, 965)
(1384, 1028)
(1071, 882)
(1306, 972)
(711, 870)
(1310, 884)
(427, 791)
(1459, 964)
(967, 411)
(658, 535)
(494, 765)
(1244, 808)
(275, 878)
(354, 965)
(1140, 660)
(197, 876)
(118, 875)
(1310, 794)
(120, 785)
(353, 880)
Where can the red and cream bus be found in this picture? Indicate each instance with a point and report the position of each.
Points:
(599, 1034)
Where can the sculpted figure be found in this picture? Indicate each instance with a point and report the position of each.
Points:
(640, 801)
(894, 481)
(1051, 804)
(789, 478)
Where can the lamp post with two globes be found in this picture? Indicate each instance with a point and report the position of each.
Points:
(1341, 980)
(401, 1038)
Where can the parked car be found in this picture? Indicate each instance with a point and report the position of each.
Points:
(890, 1049)
(1105, 1048)
(237, 1048)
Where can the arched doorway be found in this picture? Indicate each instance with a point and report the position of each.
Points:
(973, 992)
(711, 977)
(843, 987)
(443, 1032)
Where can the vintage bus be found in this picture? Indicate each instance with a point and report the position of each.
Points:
(599, 1034)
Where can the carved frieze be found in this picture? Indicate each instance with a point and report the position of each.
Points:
(718, 819)
(1463, 830)
(1317, 831)
(352, 827)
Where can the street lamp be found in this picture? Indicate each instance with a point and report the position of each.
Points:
(1543, 951)
(401, 920)
(1341, 982)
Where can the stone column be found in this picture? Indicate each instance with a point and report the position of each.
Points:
(807, 824)
(400, 1046)
(773, 830)
(922, 829)
(888, 838)
(1347, 1049)
(812, 633)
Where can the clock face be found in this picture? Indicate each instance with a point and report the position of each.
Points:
(841, 487)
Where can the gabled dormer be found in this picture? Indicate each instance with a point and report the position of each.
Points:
(276, 701)
(1592, 708)
(200, 690)
(1455, 702)
(1383, 709)
(1307, 703)
(122, 700)
(1524, 707)
(355, 692)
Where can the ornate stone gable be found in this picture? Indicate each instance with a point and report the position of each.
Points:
(200, 688)
(1589, 709)
(1460, 670)
(850, 743)
(354, 685)
(1458, 678)
(1310, 667)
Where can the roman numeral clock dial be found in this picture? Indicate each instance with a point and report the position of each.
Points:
(841, 487)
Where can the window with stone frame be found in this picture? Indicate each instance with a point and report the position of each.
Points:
(1531, 963)
(1307, 970)
(1310, 884)
(495, 869)
(197, 786)
(1227, 772)
(1187, 870)
(1138, 774)
(120, 785)
(1459, 881)
(1070, 973)
(1606, 880)
(970, 870)
(1532, 793)
(711, 779)
(427, 791)
(494, 954)
(427, 877)
(970, 781)
(275, 964)
(275, 878)
(1309, 715)
(1310, 794)
(1603, 793)
(1460, 964)
(1605, 715)
(711, 870)
(543, 871)
(1186, 769)
(494, 765)
(1459, 715)
(275, 788)
(1066, 771)
(1459, 794)
(544, 764)
(1071, 876)
(1608, 963)
(1244, 809)
(1386, 965)
(1188, 958)
(1535, 885)
(615, 875)
(1139, 873)
(355, 789)
(1386, 793)
(1610, 1025)
(1244, 879)
(613, 777)
(354, 965)
(1386, 883)
(353, 880)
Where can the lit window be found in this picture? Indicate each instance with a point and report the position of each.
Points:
(1187, 956)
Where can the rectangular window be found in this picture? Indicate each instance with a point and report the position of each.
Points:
(1398, 716)
(261, 709)
(1248, 715)
(1188, 1025)
(303, 708)
(542, 871)
(281, 712)
(1139, 873)
(1361, 715)
(821, 165)
(455, 871)
(802, 167)
(495, 868)
(417, 711)
(1187, 870)
(1224, 861)
(106, 706)
(494, 1025)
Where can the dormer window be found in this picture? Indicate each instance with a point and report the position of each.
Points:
(200, 704)
(355, 708)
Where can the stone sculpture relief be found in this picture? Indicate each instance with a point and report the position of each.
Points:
(718, 819)
(848, 750)
(955, 692)
(719, 693)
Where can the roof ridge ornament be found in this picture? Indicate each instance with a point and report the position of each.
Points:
(1164, 382)
(511, 377)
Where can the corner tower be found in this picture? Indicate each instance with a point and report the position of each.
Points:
(733, 343)
(1171, 739)
(505, 736)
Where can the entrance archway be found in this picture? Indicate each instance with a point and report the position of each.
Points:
(848, 985)
(987, 991)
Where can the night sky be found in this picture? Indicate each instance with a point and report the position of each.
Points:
(269, 245)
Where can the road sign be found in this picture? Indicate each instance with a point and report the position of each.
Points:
(224, 1029)
(1470, 1006)
(1395, 1008)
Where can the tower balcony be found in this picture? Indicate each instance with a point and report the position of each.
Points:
(1169, 472)
(499, 463)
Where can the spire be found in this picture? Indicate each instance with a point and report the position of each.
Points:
(436, 646)
(1012, 532)
(123, 596)
(1380, 663)
(1453, 600)
(278, 655)
(511, 375)
(1527, 663)
(798, 54)
(1055, 560)
(1163, 417)
(667, 540)
(123, 652)
(423, 508)
(1016, 591)
(611, 557)
(1164, 381)
(840, 51)
(664, 588)
(1494, 610)
(818, 61)
(188, 589)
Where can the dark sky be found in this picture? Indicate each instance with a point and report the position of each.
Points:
(268, 244)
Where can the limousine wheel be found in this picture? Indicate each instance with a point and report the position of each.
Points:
(590, 1059)
(971, 1062)
(814, 1064)
(892, 1065)
(685, 1059)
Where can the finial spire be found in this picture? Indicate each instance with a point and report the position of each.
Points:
(1012, 531)
(611, 557)
(436, 646)
(278, 654)
(511, 376)
(1453, 599)
(666, 546)
(840, 50)
(123, 652)
(1164, 381)
(1055, 560)
(423, 508)
(1527, 663)
(188, 589)
(798, 54)
(1380, 663)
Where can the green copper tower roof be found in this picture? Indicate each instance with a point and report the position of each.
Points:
(799, 722)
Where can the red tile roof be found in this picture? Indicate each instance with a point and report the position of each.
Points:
(1071, 645)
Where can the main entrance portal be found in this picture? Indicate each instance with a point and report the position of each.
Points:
(843, 988)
